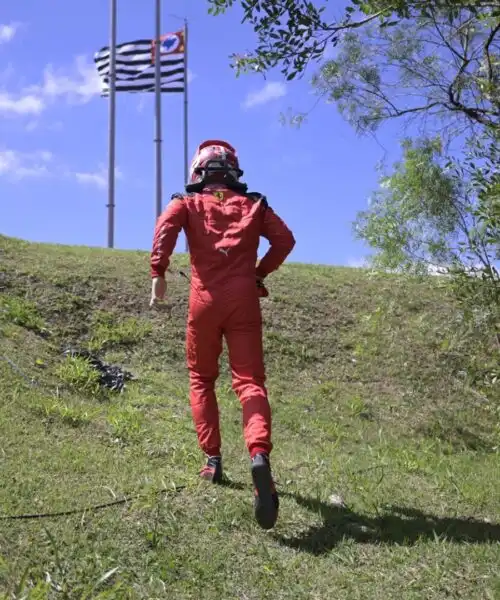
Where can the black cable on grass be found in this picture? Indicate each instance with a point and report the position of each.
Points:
(75, 511)
(19, 371)
(91, 508)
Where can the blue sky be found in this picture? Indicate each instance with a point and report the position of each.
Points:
(54, 142)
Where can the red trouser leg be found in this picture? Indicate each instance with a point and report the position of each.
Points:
(243, 333)
(203, 349)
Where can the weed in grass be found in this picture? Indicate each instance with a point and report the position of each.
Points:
(79, 375)
(22, 312)
(108, 331)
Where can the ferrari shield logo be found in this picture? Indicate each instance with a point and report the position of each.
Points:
(219, 195)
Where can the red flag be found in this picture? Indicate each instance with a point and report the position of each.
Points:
(170, 43)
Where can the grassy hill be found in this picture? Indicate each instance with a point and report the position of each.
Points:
(374, 397)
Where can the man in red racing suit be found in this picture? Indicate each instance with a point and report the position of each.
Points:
(223, 224)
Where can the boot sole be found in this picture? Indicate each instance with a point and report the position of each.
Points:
(266, 513)
(216, 478)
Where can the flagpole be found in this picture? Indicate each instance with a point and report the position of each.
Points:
(112, 127)
(186, 145)
(158, 108)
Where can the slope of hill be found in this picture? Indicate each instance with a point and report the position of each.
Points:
(374, 400)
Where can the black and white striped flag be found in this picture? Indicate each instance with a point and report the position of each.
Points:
(135, 65)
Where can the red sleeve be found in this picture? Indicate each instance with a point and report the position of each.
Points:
(167, 229)
(281, 242)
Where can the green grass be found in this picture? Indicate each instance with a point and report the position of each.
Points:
(374, 397)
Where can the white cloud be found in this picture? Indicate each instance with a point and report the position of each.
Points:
(271, 91)
(16, 165)
(357, 263)
(97, 178)
(20, 165)
(7, 32)
(37, 125)
(142, 102)
(24, 104)
(79, 86)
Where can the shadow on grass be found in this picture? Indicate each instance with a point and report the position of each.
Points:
(399, 525)
(458, 437)
(234, 485)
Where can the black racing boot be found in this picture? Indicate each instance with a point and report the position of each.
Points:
(266, 502)
(212, 471)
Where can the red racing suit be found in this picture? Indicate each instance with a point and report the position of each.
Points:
(223, 228)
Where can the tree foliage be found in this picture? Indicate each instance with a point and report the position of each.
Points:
(291, 33)
(443, 56)
(436, 213)
(434, 63)
(442, 66)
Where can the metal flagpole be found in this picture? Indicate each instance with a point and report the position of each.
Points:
(158, 108)
(112, 127)
(186, 145)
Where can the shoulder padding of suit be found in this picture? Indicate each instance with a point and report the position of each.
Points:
(181, 196)
(256, 197)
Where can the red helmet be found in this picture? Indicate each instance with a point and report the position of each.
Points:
(217, 161)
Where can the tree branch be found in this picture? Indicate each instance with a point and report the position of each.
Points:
(443, 38)
(477, 114)
(489, 41)
(400, 112)
(357, 24)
